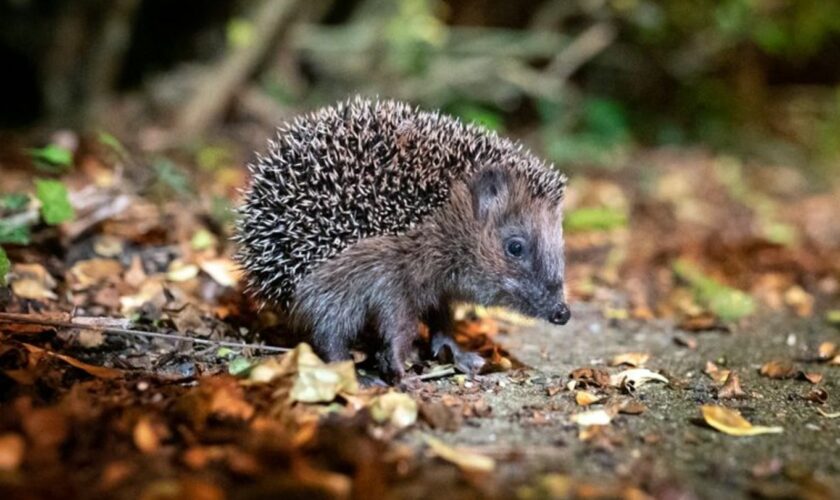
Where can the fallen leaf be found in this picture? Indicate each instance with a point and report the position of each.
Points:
(87, 273)
(396, 408)
(146, 438)
(817, 395)
(12, 447)
(635, 378)
(584, 398)
(314, 380)
(591, 376)
(440, 416)
(466, 460)
(799, 300)
(630, 358)
(689, 342)
(96, 371)
(731, 387)
(731, 422)
(627, 406)
(180, 271)
(108, 246)
(813, 377)
(778, 369)
(701, 323)
(717, 374)
(223, 271)
(32, 281)
(826, 350)
(592, 417)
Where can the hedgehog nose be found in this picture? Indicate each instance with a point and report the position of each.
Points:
(561, 314)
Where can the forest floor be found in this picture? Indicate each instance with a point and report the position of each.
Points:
(702, 359)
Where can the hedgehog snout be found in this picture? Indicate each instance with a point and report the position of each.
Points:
(561, 314)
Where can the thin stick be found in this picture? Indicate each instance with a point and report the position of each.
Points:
(35, 320)
(432, 375)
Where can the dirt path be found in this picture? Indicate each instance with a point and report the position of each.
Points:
(667, 447)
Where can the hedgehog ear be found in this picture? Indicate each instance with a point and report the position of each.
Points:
(489, 189)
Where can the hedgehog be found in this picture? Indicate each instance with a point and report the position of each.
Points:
(369, 217)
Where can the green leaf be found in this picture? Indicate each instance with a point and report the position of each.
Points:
(729, 304)
(595, 219)
(13, 202)
(55, 204)
(240, 33)
(52, 155)
(240, 366)
(5, 265)
(14, 234)
(113, 143)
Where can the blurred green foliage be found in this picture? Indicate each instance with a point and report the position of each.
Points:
(55, 204)
(5, 265)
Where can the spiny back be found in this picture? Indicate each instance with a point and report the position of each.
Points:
(355, 170)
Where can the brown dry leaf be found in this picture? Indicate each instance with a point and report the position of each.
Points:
(466, 460)
(731, 422)
(634, 359)
(700, 323)
(30, 329)
(799, 300)
(584, 398)
(151, 290)
(732, 388)
(778, 369)
(689, 342)
(591, 377)
(813, 377)
(96, 371)
(146, 438)
(717, 374)
(826, 350)
(396, 408)
(12, 447)
(440, 416)
(630, 407)
(817, 395)
(135, 276)
(87, 273)
(223, 271)
(32, 281)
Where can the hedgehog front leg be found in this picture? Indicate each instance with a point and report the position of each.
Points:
(441, 337)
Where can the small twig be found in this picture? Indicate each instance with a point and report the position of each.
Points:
(90, 324)
(433, 374)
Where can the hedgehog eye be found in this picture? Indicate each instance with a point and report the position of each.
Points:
(515, 247)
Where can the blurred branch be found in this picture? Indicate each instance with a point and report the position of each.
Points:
(220, 81)
(106, 57)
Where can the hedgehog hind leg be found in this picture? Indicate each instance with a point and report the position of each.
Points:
(397, 330)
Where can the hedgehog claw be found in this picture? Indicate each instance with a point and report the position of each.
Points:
(445, 349)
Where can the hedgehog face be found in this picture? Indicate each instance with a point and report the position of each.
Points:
(520, 251)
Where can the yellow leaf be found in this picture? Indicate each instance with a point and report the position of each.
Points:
(465, 460)
(731, 422)
(584, 398)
